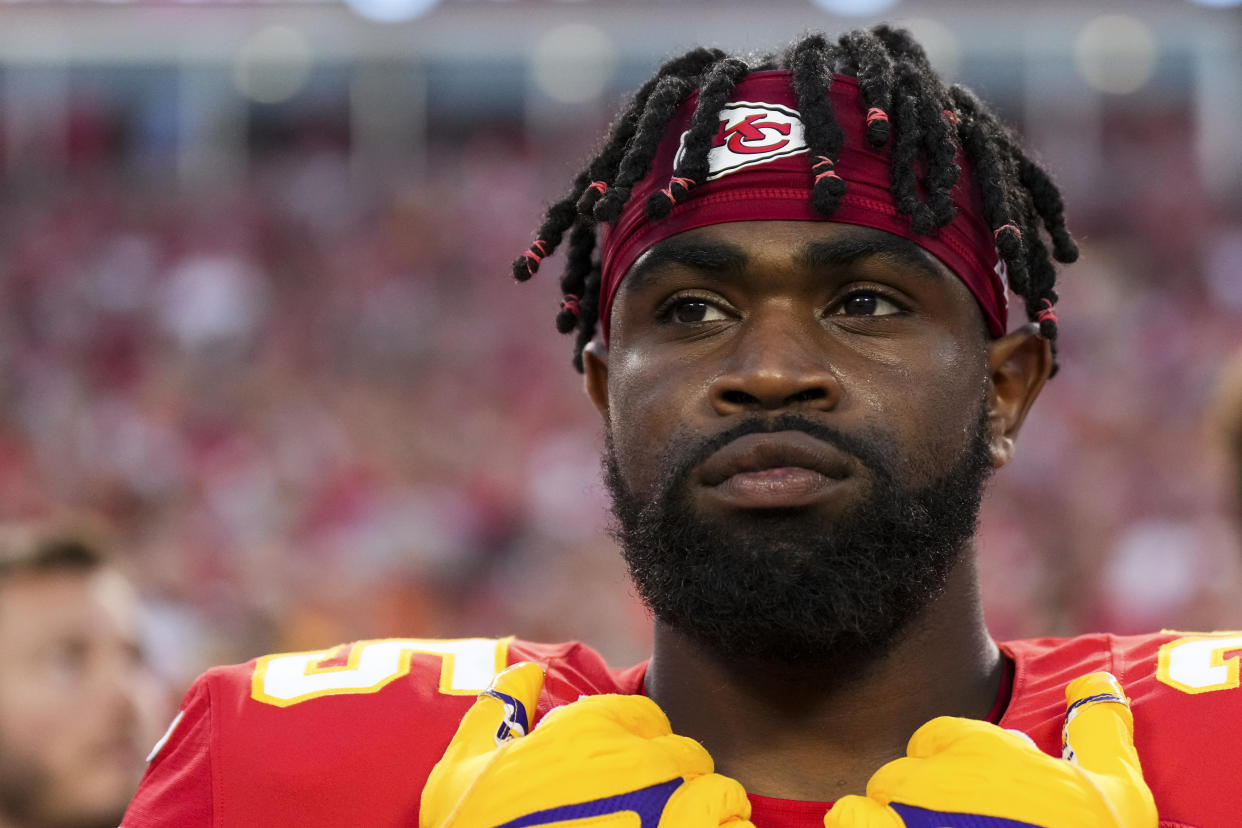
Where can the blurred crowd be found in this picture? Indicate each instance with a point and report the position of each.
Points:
(312, 405)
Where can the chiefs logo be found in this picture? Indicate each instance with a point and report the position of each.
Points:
(750, 134)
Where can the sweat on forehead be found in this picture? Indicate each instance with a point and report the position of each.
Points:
(760, 168)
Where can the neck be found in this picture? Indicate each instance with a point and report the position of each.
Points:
(811, 734)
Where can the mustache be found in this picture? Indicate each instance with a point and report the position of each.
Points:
(686, 453)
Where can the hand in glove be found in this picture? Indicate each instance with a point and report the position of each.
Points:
(963, 773)
(609, 757)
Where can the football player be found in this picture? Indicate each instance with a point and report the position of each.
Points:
(788, 281)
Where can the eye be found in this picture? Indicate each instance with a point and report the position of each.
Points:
(867, 303)
(692, 310)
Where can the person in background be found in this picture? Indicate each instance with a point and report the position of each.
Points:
(79, 705)
(1228, 425)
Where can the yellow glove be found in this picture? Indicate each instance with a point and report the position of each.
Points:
(608, 758)
(963, 773)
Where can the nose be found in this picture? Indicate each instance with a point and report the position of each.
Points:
(776, 364)
(119, 678)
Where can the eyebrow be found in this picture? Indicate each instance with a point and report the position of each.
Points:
(723, 258)
(822, 255)
(716, 257)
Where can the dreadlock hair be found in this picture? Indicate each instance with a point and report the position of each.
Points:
(905, 100)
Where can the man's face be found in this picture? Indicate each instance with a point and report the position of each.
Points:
(78, 708)
(798, 433)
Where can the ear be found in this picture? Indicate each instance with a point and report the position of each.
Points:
(595, 375)
(1019, 364)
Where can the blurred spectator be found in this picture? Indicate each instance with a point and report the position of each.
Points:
(1227, 423)
(79, 708)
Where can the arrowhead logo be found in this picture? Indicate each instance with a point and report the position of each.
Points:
(750, 134)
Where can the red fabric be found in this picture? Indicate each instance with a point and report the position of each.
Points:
(779, 187)
(332, 761)
(362, 759)
(768, 812)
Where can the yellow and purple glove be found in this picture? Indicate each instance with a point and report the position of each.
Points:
(600, 762)
(963, 773)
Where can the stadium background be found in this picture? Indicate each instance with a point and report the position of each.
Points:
(256, 311)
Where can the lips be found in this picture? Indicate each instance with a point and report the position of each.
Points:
(756, 453)
(777, 470)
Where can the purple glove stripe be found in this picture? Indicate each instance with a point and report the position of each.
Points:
(648, 803)
(923, 818)
(1098, 697)
(518, 710)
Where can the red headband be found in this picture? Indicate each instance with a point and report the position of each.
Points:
(760, 169)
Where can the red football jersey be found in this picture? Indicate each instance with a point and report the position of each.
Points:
(348, 736)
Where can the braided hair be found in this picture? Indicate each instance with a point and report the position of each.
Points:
(903, 96)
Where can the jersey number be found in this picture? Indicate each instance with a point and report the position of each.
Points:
(1201, 663)
(468, 666)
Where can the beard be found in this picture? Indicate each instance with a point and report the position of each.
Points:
(792, 587)
(28, 796)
